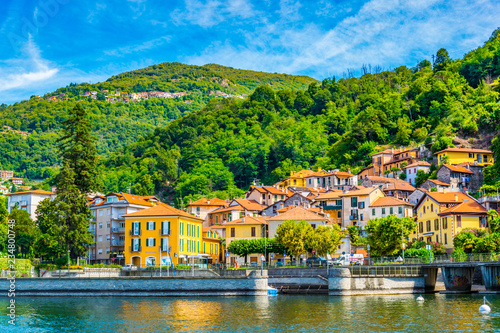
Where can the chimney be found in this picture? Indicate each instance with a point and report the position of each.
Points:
(456, 197)
(242, 220)
(208, 201)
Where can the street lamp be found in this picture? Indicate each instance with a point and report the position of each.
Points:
(68, 263)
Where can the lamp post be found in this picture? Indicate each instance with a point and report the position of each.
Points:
(369, 259)
(68, 262)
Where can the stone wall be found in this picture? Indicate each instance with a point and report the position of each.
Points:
(254, 284)
(341, 283)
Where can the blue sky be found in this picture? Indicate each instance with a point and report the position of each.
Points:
(47, 44)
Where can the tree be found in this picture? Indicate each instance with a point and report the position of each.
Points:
(355, 239)
(404, 131)
(387, 234)
(402, 176)
(241, 248)
(493, 221)
(3, 209)
(467, 239)
(442, 59)
(77, 148)
(422, 176)
(326, 239)
(25, 230)
(294, 236)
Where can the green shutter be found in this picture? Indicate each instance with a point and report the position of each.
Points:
(154, 225)
(168, 230)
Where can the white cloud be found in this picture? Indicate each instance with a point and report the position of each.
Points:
(27, 71)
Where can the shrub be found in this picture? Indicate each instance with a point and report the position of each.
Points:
(438, 249)
(458, 255)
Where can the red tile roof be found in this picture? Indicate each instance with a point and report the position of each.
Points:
(464, 150)
(162, 210)
(455, 168)
(466, 207)
(437, 182)
(417, 164)
(399, 187)
(248, 220)
(297, 214)
(364, 191)
(389, 201)
(209, 202)
(250, 205)
(32, 192)
(450, 197)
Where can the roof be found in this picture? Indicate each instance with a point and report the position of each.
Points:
(455, 168)
(343, 174)
(389, 201)
(214, 227)
(364, 191)
(437, 182)
(385, 179)
(464, 150)
(228, 209)
(329, 195)
(448, 197)
(267, 189)
(387, 151)
(248, 220)
(162, 210)
(136, 199)
(209, 202)
(32, 192)
(465, 207)
(251, 205)
(417, 164)
(297, 214)
(399, 187)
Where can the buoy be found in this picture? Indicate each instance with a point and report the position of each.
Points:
(420, 299)
(485, 308)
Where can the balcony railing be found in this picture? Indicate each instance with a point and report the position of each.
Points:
(164, 232)
(134, 249)
(23, 203)
(118, 229)
(117, 242)
(163, 248)
(136, 233)
(332, 207)
(489, 198)
(353, 217)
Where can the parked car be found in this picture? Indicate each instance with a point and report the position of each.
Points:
(347, 259)
(129, 267)
(316, 261)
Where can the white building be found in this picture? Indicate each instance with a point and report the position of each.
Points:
(28, 200)
(412, 169)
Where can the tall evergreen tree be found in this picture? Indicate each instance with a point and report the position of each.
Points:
(77, 147)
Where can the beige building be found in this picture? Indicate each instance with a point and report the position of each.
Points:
(200, 208)
(109, 224)
(356, 205)
(28, 200)
(385, 206)
(265, 195)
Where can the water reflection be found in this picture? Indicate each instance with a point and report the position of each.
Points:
(401, 313)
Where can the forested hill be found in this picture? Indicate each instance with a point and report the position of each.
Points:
(28, 129)
(334, 124)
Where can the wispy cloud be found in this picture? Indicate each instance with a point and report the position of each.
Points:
(22, 73)
(136, 48)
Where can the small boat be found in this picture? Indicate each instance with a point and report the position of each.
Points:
(420, 299)
(272, 291)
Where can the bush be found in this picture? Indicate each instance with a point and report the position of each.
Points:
(438, 249)
(459, 255)
(181, 266)
(21, 266)
(422, 253)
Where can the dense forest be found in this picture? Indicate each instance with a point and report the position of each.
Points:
(220, 146)
(32, 153)
(332, 124)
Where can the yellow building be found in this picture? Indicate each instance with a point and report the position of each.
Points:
(211, 244)
(465, 155)
(162, 233)
(299, 178)
(248, 227)
(440, 216)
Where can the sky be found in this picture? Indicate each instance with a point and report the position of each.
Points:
(48, 44)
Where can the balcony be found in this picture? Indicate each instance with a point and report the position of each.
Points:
(353, 217)
(163, 248)
(117, 242)
(135, 249)
(136, 233)
(489, 198)
(164, 232)
(23, 203)
(118, 229)
(331, 207)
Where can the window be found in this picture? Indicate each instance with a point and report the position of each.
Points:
(437, 238)
(107, 250)
(100, 212)
(445, 223)
(136, 228)
(204, 251)
(232, 232)
(400, 210)
(165, 228)
(193, 230)
(151, 225)
(421, 227)
(373, 211)
(383, 211)
(459, 221)
(99, 251)
(100, 225)
(361, 204)
(275, 197)
(189, 229)
(108, 211)
(211, 248)
(198, 246)
(181, 228)
(107, 237)
(354, 201)
(151, 242)
(485, 158)
(338, 202)
(436, 224)
(180, 245)
(428, 225)
(108, 225)
(313, 226)
(216, 249)
(471, 155)
(339, 214)
(391, 210)
(409, 171)
(253, 231)
(432, 207)
(445, 239)
(361, 217)
(99, 239)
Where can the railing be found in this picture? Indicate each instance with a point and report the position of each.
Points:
(132, 233)
(117, 242)
(118, 229)
(353, 217)
(331, 207)
(131, 249)
(164, 232)
(394, 271)
(489, 198)
(473, 257)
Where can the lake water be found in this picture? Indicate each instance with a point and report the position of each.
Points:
(399, 313)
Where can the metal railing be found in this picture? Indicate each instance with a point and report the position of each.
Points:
(164, 232)
(132, 249)
(118, 229)
(394, 271)
(117, 242)
(445, 258)
(136, 233)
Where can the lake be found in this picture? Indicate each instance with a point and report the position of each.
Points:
(395, 313)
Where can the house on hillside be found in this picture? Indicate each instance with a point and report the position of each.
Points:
(440, 186)
(412, 169)
(474, 156)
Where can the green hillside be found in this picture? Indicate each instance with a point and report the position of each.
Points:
(334, 124)
(28, 129)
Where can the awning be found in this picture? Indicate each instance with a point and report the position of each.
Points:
(428, 233)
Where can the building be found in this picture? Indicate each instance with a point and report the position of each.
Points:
(200, 208)
(398, 190)
(418, 194)
(474, 156)
(109, 224)
(356, 206)
(440, 216)
(6, 174)
(331, 203)
(438, 185)
(385, 206)
(212, 245)
(163, 234)
(236, 209)
(28, 200)
(4, 189)
(265, 195)
(458, 177)
(387, 159)
(17, 181)
(247, 227)
(299, 179)
(412, 170)
(296, 214)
